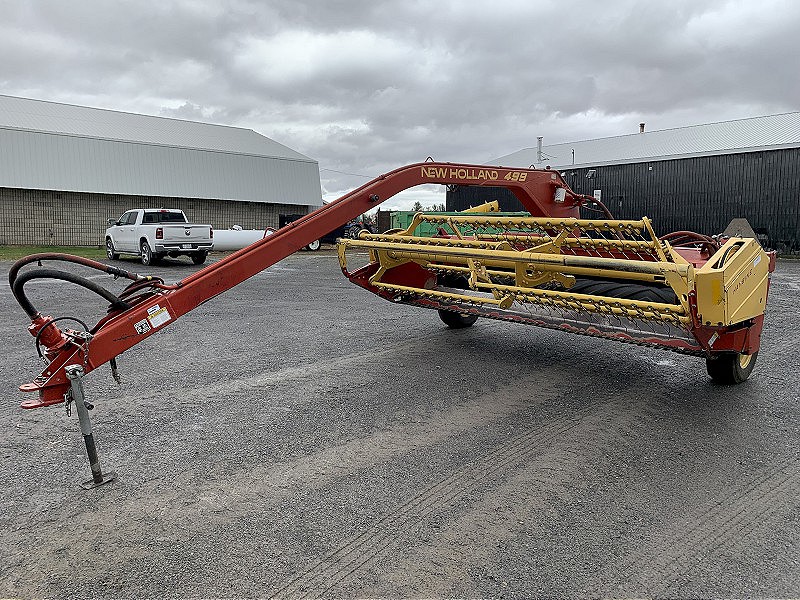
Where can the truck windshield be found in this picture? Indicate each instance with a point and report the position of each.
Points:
(164, 217)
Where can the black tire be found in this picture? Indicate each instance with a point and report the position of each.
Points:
(313, 246)
(199, 257)
(146, 253)
(456, 320)
(730, 368)
(110, 253)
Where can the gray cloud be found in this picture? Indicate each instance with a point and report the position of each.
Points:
(365, 86)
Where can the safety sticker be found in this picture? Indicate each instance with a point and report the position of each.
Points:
(713, 339)
(757, 260)
(158, 315)
(142, 326)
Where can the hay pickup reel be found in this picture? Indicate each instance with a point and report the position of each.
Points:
(601, 277)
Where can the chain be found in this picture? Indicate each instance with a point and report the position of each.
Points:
(68, 402)
(85, 350)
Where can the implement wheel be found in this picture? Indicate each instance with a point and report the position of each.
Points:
(456, 320)
(730, 368)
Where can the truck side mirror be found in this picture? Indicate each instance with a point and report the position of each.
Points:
(112, 221)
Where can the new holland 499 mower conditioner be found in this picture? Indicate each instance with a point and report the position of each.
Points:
(602, 277)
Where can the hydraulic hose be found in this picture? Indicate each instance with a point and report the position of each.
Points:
(19, 282)
(603, 208)
(582, 199)
(688, 239)
(52, 322)
(86, 262)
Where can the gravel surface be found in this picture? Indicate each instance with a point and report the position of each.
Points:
(298, 436)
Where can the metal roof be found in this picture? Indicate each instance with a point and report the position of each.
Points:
(97, 123)
(50, 146)
(770, 132)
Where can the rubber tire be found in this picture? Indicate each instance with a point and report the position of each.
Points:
(199, 258)
(313, 246)
(456, 320)
(355, 233)
(110, 250)
(146, 254)
(629, 291)
(730, 368)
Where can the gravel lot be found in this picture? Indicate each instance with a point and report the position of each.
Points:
(298, 436)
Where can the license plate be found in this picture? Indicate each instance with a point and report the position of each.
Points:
(186, 246)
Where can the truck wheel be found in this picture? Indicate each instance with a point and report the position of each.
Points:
(730, 368)
(313, 246)
(110, 250)
(146, 254)
(456, 320)
(199, 258)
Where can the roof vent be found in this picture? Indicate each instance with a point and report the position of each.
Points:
(641, 127)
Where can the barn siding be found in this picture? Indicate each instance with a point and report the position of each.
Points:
(700, 194)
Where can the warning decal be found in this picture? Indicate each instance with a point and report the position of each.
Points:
(158, 315)
(142, 326)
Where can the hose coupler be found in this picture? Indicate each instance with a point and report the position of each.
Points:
(47, 332)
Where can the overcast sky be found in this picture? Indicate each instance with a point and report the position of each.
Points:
(367, 86)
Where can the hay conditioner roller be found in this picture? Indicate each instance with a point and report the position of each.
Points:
(600, 277)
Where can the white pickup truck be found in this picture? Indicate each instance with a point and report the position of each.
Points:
(153, 233)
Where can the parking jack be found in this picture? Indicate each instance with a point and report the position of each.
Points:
(75, 374)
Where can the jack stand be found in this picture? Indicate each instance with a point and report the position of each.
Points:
(75, 375)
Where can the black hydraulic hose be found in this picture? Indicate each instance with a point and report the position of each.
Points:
(52, 322)
(86, 262)
(140, 285)
(20, 281)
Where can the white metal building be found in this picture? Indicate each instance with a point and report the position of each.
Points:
(65, 169)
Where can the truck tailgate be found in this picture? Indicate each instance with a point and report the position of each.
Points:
(180, 234)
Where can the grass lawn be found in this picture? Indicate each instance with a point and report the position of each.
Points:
(15, 252)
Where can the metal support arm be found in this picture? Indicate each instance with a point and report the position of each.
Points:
(124, 328)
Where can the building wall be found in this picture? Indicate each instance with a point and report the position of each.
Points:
(49, 218)
(699, 194)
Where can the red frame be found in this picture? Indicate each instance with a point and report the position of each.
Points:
(534, 188)
(118, 331)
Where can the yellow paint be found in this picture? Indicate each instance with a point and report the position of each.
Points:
(521, 261)
(732, 285)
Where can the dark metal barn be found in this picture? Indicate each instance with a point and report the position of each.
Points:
(700, 190)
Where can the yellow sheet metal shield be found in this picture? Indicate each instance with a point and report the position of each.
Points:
(732, 286)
